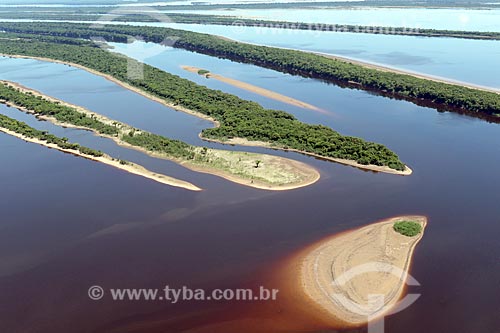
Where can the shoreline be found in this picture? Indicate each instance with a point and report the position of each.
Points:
(309, 174)
(130, 167)
(337, 274)
(238, 141)
(244, 142)
(255, 89)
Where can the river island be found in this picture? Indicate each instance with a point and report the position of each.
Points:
(341, 274)
(251, 169)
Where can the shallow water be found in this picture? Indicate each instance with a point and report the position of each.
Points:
(68, 223)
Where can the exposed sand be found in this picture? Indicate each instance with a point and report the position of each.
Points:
(274, 172)
(106, 159)
(376, 168)
(255, 89)
(340, 273)
(380, 67)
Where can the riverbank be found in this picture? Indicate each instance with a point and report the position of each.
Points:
(338, 274)
(108, 160)
(260, 171)
(254, 89)
(376, 168)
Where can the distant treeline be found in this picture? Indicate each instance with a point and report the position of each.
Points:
(237, 117)
(418, 90)
(90, 6)
(235, 21)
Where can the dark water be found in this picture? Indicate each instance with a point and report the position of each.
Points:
(67, 223)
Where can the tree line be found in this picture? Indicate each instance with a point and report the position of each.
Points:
(82, 15)
(417, 90)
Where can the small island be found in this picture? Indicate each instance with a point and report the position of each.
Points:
(341, 272)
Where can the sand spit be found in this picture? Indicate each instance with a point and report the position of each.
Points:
(255, 89)
(340, 273)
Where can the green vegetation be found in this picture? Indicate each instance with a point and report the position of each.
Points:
(230, 20)
(420, 91)
(408, 228)
(277, 172)
(203, 72)
(62, 113)
(29, 132)
(237, 117)
(70, 115)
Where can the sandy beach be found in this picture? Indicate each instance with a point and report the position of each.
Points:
(338, 274)
(274, 173)
(255, 89)
(106, 159)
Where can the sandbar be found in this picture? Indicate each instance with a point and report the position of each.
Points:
(255, 89)
(338, 274)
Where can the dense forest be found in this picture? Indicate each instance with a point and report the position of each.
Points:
(421, 91)
(237, 117)
(229, 20)
(29, 132)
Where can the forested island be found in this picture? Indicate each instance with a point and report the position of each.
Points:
(237, 118)
(251, 169)
(132, 15)
(427, 92)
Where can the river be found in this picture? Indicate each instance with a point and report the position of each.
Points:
(68, 223)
